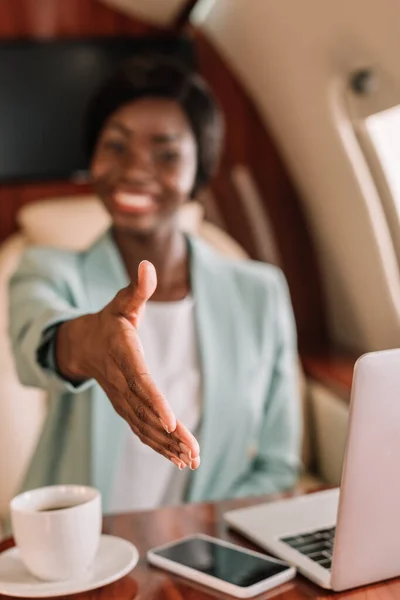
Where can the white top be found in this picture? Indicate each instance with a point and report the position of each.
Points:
(144, 479)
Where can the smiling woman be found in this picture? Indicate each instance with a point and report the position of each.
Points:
(212, 357)
(156, 133)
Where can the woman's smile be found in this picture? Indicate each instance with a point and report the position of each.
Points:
(140, 204)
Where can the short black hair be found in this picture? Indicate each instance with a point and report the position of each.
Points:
(162, 77)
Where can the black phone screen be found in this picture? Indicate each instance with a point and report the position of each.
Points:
(228, 564)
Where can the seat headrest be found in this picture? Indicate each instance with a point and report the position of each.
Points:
(74, 223)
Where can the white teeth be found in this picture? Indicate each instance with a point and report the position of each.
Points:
(134, 200)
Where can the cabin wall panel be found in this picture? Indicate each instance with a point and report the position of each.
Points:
(295, 60)
(249, 143)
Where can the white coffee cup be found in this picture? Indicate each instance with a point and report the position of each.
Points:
(57, 530)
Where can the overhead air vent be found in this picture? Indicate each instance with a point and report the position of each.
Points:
(363, 81)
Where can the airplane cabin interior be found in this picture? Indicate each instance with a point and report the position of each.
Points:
(308, 180)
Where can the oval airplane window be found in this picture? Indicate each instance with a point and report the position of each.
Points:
(374, 104)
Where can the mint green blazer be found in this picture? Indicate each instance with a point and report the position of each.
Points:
(251, 425)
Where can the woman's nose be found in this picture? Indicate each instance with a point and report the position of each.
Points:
(137, 167)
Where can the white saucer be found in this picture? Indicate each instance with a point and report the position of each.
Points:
(115, 558)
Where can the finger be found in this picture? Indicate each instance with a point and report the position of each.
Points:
(142, 410)
(195, 463)
(166, 447)
(130, 407)
(149, 425)
(134, 297)
(178, 463)
(160, 449)
(141, 384)
(144, 424)
(186, 438)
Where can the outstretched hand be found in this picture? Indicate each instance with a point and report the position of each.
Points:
(112, 353)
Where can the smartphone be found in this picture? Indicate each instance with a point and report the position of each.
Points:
(223, 566)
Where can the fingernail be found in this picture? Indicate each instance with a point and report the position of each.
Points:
(185, 459)
(185, 449)
(164, 426)
(177, 463)
(193, 469)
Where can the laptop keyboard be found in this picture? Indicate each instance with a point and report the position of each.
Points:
(317, 545)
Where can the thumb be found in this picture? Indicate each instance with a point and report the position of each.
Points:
(147, 282)
(137, 295)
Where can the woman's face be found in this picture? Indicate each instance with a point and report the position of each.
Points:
(145, 164)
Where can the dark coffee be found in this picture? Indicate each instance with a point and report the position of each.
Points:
(59, 507)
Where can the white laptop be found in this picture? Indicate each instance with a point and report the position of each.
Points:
(349, 537)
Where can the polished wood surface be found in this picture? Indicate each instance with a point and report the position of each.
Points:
(152, 528)
(49, 19)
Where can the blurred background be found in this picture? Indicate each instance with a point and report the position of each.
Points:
(309, 179)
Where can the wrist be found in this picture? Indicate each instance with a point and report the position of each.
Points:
(72, 348)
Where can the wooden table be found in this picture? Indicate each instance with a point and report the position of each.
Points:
(149, 529)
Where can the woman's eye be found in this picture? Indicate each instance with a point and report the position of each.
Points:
(168, 156)
(114, 146)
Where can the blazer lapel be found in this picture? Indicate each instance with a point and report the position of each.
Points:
(220, 337)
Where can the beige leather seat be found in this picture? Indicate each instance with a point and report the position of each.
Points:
(73, 224)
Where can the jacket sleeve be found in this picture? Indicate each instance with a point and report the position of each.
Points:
(277, 463)
(39, 298)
